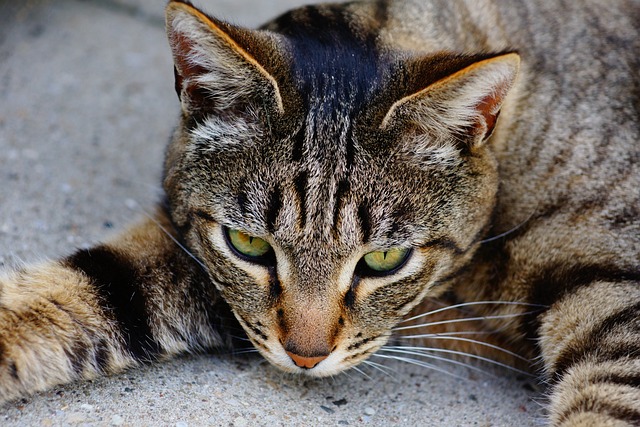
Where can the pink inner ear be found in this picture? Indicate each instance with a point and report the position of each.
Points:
(489, 108)
(181, 52)
(185, 69)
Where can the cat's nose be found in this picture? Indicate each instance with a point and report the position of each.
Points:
(305, 362)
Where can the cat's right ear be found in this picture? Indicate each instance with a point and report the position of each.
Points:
(214, 69)
(462, 104)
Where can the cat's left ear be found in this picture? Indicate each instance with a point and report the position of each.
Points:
(463, 105)
(219, 66)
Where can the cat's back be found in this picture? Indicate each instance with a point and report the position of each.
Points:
(568, 140)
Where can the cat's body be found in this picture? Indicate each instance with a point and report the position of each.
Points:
(353, 134)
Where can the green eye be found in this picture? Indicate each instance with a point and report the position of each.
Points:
(382, 262)
(249, 246)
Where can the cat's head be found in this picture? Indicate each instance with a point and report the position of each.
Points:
(327, 183)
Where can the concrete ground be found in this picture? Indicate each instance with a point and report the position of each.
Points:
(86, 107)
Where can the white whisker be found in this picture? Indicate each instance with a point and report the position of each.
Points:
(420, 351)
(360, 371)
(452, 333)
(482, 343)
(378, 367)
(469, 304)
(506, 233)
(442, 359)
(419, 363)
(464, 319)
(165, 231)
(348, 373)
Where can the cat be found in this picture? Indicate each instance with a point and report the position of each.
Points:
(334, 170)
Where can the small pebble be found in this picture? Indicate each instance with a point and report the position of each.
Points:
(181, 424)
(75, 418)
(86, 407)
(369, 411)
(240, 422)
(327, 409)
(131, 204)
(117, 420)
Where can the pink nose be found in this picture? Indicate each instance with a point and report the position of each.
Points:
(305, 362)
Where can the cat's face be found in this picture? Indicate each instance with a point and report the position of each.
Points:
(326, 203)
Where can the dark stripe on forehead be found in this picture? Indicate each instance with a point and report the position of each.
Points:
(117, 284)
(300, 185)
(365, 222)
(273, 208)
(341, 192)
(350, 149)
(298, 144)
(399, 216)
(242, 201)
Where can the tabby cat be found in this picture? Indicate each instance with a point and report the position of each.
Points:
(335, 168)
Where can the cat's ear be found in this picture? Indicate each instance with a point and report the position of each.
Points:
(214, 66)
(463, 105)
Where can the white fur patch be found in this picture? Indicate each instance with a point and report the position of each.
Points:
(218, 133)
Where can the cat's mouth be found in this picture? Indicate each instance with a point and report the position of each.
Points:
(344, 356)
(332, 364)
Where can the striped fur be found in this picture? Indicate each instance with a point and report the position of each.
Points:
(338, 130)
(133, 300)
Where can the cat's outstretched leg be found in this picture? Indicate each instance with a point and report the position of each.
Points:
(590, 343)
(137, 298)
(54, 329)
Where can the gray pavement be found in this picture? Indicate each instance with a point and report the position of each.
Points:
(86, 107)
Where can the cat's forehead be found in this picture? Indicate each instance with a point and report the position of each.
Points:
(335, 65)
(327, 198)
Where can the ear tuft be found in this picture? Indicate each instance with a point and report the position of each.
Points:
(213, 70)
(464, 105)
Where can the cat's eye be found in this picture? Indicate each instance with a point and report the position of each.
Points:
(249, 247)
(382, 263)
